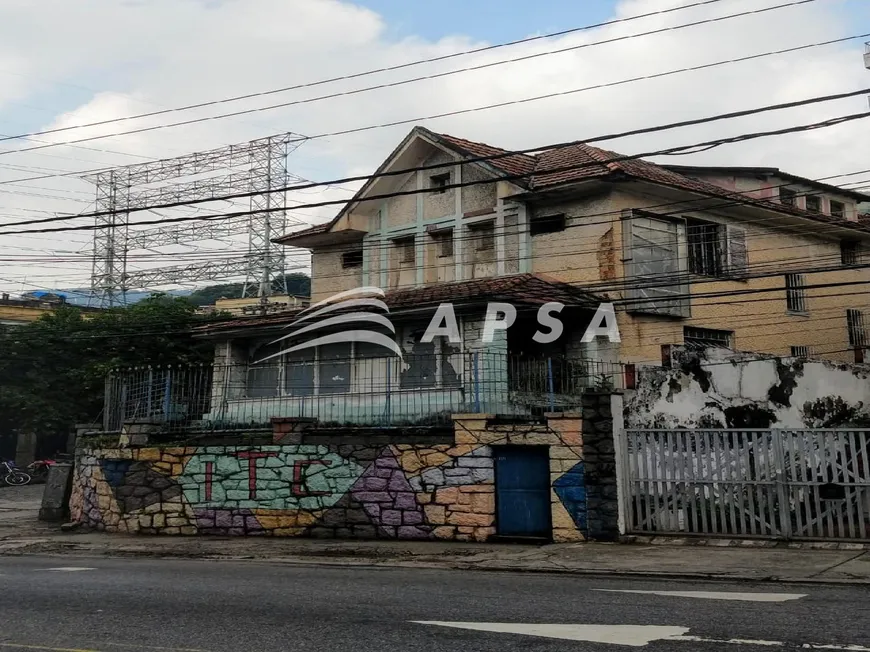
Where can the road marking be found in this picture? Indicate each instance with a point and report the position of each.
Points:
(22, 646)
(628, 635)
(714, 595)
(67, 569)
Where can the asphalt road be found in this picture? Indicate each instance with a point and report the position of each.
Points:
(113, 605)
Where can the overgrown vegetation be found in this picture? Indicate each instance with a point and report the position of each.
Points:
(52, 370)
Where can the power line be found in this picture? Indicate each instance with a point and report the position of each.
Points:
(507, 177)
(393, 84)
(505, 154)
(366, 73)
(520, 101)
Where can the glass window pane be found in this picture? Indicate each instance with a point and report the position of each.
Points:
(299, 373)
(335, 368)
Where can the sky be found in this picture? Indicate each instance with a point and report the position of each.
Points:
(65, 64)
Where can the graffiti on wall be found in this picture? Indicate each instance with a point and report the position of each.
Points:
(362, 491)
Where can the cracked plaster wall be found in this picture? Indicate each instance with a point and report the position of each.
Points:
(717, 388)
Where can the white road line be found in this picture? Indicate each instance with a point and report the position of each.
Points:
(67, 569)
(715, 595)
(628, 635)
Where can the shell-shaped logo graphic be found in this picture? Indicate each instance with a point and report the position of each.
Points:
(355, 308)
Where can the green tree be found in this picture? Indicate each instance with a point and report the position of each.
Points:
(52, 370)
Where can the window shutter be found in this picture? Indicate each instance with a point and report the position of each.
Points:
(737, 256)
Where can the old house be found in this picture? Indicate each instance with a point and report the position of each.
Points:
(742, 257)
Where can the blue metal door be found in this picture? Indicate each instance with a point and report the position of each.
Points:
(522, 490)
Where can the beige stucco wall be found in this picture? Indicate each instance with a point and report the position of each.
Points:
(759, 320)
(587, 251)
(478, 197)
(327, 274)
(437, 205)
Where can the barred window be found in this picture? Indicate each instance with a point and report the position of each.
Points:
(855, 326)
(795, 293)
(801, 352)
(707, 337)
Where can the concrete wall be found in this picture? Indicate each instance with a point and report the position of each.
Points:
(345, 485)
(327, 274)
(588, 250)
(722, 389)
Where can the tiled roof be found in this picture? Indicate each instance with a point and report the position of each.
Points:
(525, 289)
(547, 170)
(517, 289)
(513, 164)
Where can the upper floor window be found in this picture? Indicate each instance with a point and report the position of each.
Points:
(407, 250)
(653, 256)
(444, 242)
(547, 224)
(855, 326)
(350, 259)
(849, 252)
(715, 249)
(814, 203)
(483, 236)
(440, 182)
(706, 338)
(795, 293)
(838, 208)
(787, 196)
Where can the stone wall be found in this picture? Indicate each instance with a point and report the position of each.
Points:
(342, 485)
(718, 388)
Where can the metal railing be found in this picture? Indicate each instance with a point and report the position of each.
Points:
(362, 391)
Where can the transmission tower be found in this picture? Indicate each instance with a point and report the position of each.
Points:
(258, 167)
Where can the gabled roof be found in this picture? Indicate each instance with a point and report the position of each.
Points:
(580, 162)
(520, 290)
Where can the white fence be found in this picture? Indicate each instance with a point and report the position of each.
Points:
(783, 484)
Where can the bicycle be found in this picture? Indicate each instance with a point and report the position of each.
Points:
(12, 475)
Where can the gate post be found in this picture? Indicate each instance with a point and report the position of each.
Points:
(781, 492)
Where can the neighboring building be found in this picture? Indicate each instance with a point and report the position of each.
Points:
(29, 307)
(733, 244)
(253, 305)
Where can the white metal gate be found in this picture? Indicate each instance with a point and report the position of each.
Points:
(788, 484)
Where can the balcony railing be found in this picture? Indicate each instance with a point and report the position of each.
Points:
(417, 390)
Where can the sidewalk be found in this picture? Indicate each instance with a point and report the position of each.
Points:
(22, 534)
(739, 562)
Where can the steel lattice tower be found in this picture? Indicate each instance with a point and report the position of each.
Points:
(258, 167)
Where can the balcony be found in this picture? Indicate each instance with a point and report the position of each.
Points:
(415, 391)
(867, 56)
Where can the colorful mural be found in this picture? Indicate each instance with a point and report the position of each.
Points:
(405, 491)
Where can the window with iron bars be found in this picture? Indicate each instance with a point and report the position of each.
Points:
(855, 326)
(849, 252)
(701, 338)
(801, 351)
(795, 293)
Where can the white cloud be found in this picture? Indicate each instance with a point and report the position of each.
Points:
(153, 54)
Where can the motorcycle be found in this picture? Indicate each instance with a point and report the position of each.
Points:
(12, 475)
(38, 470)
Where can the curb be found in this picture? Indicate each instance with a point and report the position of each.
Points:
(372, 563)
